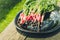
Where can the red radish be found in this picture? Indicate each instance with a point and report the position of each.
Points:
(34, 16)
(22, 21)
(22, 15)
(24, 18)
(38, 17)
(34, 19)
(28, 18)
(31, 17)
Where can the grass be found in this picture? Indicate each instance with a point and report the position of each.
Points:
(8, 11)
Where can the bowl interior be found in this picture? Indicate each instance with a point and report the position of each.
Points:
(42, 31)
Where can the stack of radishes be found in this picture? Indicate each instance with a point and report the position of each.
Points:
(34, 12)
(33, 17)
(31, 21)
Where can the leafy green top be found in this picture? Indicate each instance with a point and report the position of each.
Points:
(40, 6)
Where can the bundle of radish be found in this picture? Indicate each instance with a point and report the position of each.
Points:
(35, 13)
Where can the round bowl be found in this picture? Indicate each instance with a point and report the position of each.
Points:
(33, 32)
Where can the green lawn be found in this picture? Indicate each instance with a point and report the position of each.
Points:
(8, 11)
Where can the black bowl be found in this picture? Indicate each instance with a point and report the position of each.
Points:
(33, 32)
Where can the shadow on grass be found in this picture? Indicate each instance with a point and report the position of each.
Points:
(6, 6)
